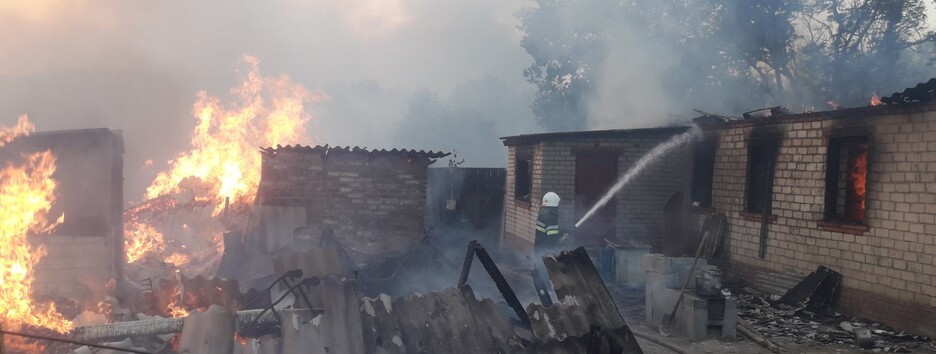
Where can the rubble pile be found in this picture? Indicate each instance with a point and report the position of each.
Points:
(331, 314)
(773, 318)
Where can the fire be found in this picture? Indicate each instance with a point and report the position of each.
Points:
(177, 259)
(174, 310)
(857, 177)
(22, 128)
(26, 195)
(141, 239)
(875, 100)
(224, 164)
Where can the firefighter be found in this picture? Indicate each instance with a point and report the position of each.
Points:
(547, 239)
(547, 226)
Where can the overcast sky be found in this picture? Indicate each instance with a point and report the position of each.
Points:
(137, 66)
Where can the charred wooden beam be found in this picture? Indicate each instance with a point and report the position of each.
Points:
(120, 330)
(475, 249)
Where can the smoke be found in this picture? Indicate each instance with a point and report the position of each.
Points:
(137, 67)
(629, 92)
(645, 63)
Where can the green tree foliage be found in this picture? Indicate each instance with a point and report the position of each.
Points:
(727, 55)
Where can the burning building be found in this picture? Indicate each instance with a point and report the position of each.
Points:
(581, 167)
(853, 189)
(85, 251)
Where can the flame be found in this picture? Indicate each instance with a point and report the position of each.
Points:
(857, 177)
(177, 259)
(223, 164)
(26, 195)
(174, 310)
(22, 128)
(176, 306)
(875, 100)
(140, 240)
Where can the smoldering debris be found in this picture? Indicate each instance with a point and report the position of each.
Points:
(798, 316)
(453, 320)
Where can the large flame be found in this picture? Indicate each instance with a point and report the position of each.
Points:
(26, 195)
(223, 166)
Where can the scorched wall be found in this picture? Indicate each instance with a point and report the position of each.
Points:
(365, 197)
(888, 262)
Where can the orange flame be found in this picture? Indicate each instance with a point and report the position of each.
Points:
(174, 310)
(857, 178)
(875, 100)
(26, 195)
(22, 128)
(224, 162)
(140, 240)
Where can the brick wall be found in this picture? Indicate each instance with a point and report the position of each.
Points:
(74, 267)
(365, 198)
(639, 204)
(889, 270)
(520, 216)
(86, 250)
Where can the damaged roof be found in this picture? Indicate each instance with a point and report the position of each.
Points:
(524, 139)
(923, 91)
(917, 99)
(326, 150)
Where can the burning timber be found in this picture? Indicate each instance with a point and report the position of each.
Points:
(452, 320)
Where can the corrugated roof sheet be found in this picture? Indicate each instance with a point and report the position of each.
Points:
(585, 304)
(326, 149)
(607, 134)
(923, 91)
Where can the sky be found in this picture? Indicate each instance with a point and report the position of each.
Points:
(137, 66)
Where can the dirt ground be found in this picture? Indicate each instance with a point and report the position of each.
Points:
(741, 345)
(631, 306)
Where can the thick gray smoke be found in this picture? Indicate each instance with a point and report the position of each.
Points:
(137, 66)
(425, 74)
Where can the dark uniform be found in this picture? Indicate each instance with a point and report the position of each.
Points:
(546, 241)
(547, 231)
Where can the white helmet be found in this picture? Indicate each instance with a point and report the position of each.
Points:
(551, 200)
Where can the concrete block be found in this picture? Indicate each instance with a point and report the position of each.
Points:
(730, 321)
(669, 272)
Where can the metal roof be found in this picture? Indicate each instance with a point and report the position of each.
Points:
(923, 91)
(326, 150)
(593, 134)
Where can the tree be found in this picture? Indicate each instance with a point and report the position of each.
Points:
(725, 55)
(565, 46)
(854, 46)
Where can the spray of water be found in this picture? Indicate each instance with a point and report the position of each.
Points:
(651, 157)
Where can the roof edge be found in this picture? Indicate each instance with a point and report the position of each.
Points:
(326, 149)
(609, 133)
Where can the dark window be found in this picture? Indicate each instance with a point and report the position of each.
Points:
(523, 175)
(846, 174)
(703, 173)
(761, 160)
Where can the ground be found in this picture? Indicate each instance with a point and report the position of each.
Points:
(631, 306)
